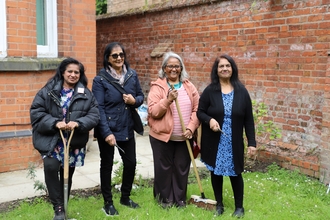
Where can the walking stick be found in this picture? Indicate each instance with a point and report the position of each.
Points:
(199, 201)
(66, 171)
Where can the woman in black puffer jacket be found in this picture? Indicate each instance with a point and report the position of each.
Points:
(64, 103)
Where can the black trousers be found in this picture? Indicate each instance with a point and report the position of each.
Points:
(54, 179)
(171, 169)
(129, 163)
(237, 185)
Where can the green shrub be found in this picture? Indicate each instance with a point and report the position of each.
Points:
(265, 128)
(37, 184)
(101, 7)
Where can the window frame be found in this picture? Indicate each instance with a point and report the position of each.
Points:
(3, 29)
(51, 49)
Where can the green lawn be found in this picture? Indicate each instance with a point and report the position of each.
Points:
(277, 194)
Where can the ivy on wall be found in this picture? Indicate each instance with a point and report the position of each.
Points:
(101, 7)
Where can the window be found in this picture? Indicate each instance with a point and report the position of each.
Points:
(46, 28)
(3, 29)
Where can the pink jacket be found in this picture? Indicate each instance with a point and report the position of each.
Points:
(160, 118)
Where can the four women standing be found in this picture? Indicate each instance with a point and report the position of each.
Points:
(224, 109)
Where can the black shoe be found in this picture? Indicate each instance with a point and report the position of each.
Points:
(109, 209)
(220, 209)
(166, 205)
(239, 213)
(130, 204)
(181, 204)
(59, 213)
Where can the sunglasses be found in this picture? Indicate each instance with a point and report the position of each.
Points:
(116, 55)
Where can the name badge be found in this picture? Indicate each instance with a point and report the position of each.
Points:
(81, 90)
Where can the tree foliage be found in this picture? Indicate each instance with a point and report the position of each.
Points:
(101, 7)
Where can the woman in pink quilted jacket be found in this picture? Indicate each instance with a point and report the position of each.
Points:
(168, 142)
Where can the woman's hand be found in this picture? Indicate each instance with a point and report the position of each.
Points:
(72, 125)
(172, 95)
(129, 99)
(214, 125)
(67, 126)
(61, 125)
(251, 151)
(188, 133)
(111, 140)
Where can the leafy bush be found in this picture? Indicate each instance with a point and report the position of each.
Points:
(265, 128)
(117, 176)
(101, 7)
(37, 184)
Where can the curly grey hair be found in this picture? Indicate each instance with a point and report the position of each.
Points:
(161, 73)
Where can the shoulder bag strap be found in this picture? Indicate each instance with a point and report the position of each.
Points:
(116, 85)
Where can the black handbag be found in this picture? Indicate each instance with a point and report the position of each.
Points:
(196, 149)
(138, 126)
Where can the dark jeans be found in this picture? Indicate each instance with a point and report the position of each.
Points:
(171, 169)
(129, 163)
(237, 185)
(54, 179)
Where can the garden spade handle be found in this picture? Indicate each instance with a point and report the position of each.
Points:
(189, 147)
(66, 146)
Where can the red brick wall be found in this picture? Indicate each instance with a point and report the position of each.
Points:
(77, 32)
(21, 28)
(280, 48)
(76, 38)
(17, 90)
(16, 153)
(325, 155)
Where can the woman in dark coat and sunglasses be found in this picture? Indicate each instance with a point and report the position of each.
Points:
(116, 124)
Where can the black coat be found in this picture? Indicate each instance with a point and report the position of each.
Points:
(116, 116)
(46, 111)
(211, 106)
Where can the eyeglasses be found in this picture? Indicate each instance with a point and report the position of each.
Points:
(173, 66)
(116, 55)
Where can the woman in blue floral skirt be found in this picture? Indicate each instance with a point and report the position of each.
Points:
(225, 110)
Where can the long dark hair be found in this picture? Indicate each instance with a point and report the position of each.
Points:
(62, 67)
(234, 80)
(107, 53)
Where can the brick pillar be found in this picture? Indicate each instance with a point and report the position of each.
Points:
(325, 155)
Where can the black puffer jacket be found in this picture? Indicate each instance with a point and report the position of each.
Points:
(46, 111)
